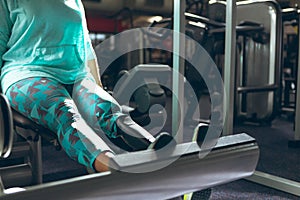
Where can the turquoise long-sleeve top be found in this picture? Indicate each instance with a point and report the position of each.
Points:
(43, 38)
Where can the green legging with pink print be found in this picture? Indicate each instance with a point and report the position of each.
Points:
(74, 112)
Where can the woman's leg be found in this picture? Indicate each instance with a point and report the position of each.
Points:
(48, 103)
(103, 113)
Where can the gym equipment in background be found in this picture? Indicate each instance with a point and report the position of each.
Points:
(258, 68)
(142, 88)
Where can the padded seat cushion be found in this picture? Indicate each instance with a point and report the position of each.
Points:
(25, 123)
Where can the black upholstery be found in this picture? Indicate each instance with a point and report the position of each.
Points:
(38, 130)
(6, 127)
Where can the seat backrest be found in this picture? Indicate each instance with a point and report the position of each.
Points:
(6, 127)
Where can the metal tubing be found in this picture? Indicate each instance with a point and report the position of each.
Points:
(234, 158)
(276, 182)
(178, 67)
(19, 150)
(35, 157)
(16, 176)
(297, 114)
(248, 89)
(229, 68)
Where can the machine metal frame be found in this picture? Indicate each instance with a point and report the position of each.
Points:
(233, 158)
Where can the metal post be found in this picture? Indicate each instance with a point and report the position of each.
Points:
(178, 67)
(295, 142)
(297, 114)
(276, 182)
(229, 71)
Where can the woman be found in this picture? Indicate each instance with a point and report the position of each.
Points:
(50, 74)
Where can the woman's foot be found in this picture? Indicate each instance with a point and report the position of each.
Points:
(137, 138)
(133, 135)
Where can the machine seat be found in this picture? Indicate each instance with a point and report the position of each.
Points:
(25, 123)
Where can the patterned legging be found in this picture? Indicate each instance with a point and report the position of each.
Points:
(74, 112)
